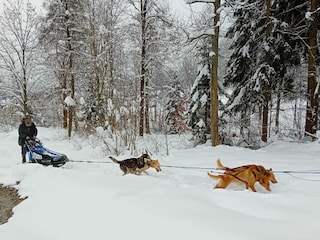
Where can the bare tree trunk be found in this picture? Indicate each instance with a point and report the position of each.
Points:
(214, 78)
(278, 104)
(24, 81)
(98, 83)
(266, 88)
(147, 118)
(63, 83)
(71, 108)
(312, 94)
(143, 9)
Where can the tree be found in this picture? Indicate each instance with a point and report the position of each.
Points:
(251, 72)
(199, 108)
(176, 108)
(143, 65)
(214, 69)
(313, 86)
(103, 46)
(266, 87)
(18, 48)
(61, 36)
(266, 45)
(151, 24)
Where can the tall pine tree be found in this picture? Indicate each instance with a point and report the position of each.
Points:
(199, 108)
(263, 53)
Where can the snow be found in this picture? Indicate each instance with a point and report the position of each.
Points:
(94, 201)
(201, 123)
(204, 99)
(198, 34)
(197, 1)
(69, 101)
(237, 99)
(308, 16)
(212, 54)
(195, 96)
(245, 51)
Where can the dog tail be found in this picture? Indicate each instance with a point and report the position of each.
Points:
(214, 176)
(220, 165)
(113, 159)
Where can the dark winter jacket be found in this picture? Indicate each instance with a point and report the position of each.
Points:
(25, 131)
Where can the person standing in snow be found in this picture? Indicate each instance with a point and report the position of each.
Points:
(27, 130)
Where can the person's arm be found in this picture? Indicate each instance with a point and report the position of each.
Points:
(35, 132)
(22, 135)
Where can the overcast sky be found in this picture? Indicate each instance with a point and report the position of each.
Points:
(179, 7)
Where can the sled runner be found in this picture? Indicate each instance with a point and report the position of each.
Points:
(44, 156)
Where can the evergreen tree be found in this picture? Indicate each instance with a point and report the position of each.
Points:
(176, 108)
(199, 108)
(263, 52)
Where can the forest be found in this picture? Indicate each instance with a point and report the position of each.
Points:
(234, 72)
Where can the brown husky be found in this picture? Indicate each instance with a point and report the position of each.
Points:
(137, 165)
(247, 174)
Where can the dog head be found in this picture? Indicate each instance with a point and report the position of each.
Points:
(264, 181)
(143, 159)
(270, 175)
(155, 164)
(267, 173)
(145, 155)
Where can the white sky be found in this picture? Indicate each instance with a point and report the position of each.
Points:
(179, 7)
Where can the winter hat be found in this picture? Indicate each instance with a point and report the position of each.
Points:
(27, 116)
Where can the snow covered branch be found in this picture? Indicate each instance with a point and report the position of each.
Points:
(199, 1)
(199, 34)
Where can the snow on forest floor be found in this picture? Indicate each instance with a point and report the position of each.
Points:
(93, 200)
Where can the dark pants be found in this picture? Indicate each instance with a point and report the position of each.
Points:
(24, 150)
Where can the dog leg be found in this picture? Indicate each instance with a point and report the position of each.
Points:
(124, 169)
(224, 181)
(252, 188)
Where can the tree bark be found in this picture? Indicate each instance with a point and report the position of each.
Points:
(312, 94)
(143, 9)
(266, 87)
(24, 83)
(71, 108)
(147, 118)
(63, 82)
(278, 104)
(215, 140)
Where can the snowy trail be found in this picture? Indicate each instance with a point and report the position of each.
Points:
(93, 200)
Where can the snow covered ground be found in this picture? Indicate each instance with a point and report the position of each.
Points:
(94, 201)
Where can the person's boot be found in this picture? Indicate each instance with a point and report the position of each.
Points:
(23, 159)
